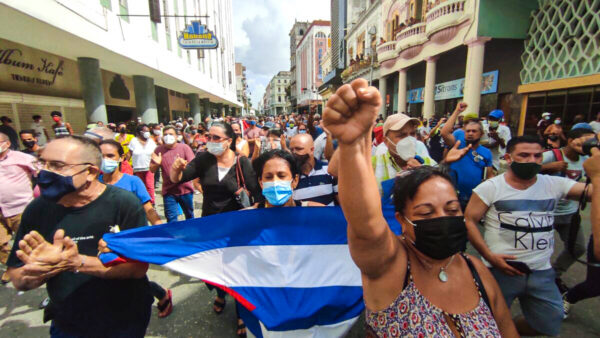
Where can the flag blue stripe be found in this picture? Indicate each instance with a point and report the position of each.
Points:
(283, 309)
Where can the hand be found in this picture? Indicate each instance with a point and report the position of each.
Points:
(283, 143)
(103, 247)
(351, 111)
(494, 135)
(157, 158)
(499, 262)
(179, 164)
(560, 166)
(455, 154)
(461, 107)
(413, 163)
(592, 164)
(256, 143)
(34, 249)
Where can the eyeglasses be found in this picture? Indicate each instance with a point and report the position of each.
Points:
(216, 138)
(56, 166)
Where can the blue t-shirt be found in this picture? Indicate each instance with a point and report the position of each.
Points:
(133, 184)
(468, 171)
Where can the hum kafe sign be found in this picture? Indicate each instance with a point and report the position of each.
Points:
(197, 36)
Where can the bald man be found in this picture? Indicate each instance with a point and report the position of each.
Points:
(58, 245)
(315, 185)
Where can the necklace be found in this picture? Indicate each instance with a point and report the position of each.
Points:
(443, 276)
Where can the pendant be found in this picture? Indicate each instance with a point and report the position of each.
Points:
(443, 276)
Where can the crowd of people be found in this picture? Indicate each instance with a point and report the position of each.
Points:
(453, 176)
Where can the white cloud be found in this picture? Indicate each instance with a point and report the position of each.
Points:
(261, 39)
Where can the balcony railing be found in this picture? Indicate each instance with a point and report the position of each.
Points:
(416, 29)
(386, 51)
(359, 67)
(446, 14)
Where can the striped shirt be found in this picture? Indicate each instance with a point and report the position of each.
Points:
(61, 131)
(318, 186)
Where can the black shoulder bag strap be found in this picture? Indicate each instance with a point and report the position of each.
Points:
(480, 286)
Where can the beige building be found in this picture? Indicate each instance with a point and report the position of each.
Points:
(277, 100)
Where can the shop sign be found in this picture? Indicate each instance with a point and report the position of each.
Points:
(197, 36)
(454, 89)
(27, 70)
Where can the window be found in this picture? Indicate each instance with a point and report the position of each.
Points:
(106, 4)
(278, 98)
(154, 30)
(154, 6)
(230, 81)
(167, 25)
(123, 10)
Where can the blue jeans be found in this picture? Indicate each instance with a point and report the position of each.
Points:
(172, 204)
(538, 295)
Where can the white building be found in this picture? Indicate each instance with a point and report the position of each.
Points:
(364, 31)
(278, 102)
(92, 61)
(241, 88)
(309, 74)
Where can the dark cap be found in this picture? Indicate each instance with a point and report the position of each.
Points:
(56, 113)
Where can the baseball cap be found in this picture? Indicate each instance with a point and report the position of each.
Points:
(496, 113)
(582, 125)
(397, 122)
(469, 116)
(546, 114)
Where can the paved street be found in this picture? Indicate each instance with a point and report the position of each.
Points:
(193, 315)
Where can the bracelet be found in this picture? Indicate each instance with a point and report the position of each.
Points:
(82, 263)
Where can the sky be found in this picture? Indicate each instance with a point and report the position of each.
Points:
(260, 34)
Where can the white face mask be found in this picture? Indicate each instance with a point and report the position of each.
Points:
(215, 148)
(156, 132)
(146, 135)
(3, 147)
(406, 148)
(169, 139)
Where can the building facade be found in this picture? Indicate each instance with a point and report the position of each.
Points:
(364, 22)
(97, 63)
(434, 53)
(309, 74)
(276, 94)
(561, 63)
(296, 34)
(242, 88)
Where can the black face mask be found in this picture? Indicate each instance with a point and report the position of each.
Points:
(442, 237)
(122, 130)
(471, 142)
(525, 170)
(29, 144)
(301, 159)
(553, 137)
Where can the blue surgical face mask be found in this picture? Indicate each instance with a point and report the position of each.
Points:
(277, 192)
(54, 186)
(108, 166)
(302, 131)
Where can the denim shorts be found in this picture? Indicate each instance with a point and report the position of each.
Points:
(539, 297)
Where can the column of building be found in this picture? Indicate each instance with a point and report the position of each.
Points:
(92, 91)
(402, 91)
(429, 95)
(474, 73)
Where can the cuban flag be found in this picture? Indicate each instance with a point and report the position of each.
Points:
(290, 268)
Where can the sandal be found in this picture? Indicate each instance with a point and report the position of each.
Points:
(219, 305)
(166, 308)
(241, 326)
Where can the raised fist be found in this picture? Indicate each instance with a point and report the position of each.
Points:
(351, 111)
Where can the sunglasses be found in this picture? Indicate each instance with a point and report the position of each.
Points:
(216, 138)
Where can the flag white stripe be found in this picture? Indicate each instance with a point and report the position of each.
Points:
(301, 266)
(318, 331)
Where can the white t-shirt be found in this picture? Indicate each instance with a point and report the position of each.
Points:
(141, 155)
(574, 172)
(521, 222)
(320, 143)
(39, 133)
(596, 126)
(496, 149)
